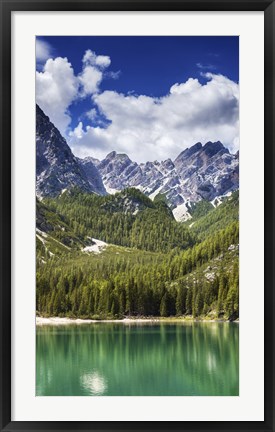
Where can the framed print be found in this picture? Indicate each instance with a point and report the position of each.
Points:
(137, 215)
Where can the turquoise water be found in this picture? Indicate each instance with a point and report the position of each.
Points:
(118, 359)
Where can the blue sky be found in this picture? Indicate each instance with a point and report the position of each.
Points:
(150, 97)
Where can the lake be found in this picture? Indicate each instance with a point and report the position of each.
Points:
(138, 359)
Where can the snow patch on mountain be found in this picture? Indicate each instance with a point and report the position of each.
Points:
(159, 189)
(181, 213)
(110, 191)
(96, 247)
(199, 172)
(219, 199)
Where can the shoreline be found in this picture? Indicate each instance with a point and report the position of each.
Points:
(67, 321)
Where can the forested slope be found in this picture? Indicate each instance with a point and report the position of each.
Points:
(152, 266)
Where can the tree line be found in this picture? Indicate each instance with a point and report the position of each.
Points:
(143, 283)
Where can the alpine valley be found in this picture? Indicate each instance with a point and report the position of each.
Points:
(119, 239)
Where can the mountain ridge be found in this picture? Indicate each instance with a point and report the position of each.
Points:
(200, 172)
(57, 169)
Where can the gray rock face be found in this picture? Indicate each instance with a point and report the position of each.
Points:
(118, 171)
(94, 178)
(56, 166)
(198, 172)
(207, 171)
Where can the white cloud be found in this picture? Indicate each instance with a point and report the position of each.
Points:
(78, 131)
(187, 87)
(43, 50)
(157, 128)
(92, 73)
(95, 118)
(96, 135)
(103, 61)
(56, 88)
(90, 58)
(146, 128)
(90, 79)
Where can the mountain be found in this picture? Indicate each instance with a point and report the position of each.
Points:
(207, 171)
(56, 166)
(128, 218)
(103, 255)
(88, 165)
(129, 201)
(199, 172)
(119, 172)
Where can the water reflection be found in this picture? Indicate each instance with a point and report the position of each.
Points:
(138, 359)
(94, 383)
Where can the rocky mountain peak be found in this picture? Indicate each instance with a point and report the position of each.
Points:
(199, 172)
(57, 168)
(167, 164)
(185, 154)
(91, 159)
(212, 148)
(111, 155)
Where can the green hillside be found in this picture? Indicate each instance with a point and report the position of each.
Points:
(151, 265)
(213, 219)
(128, 218)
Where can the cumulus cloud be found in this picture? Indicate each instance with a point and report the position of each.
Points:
(92, 73)
(150, 128)
(56, 88)
(184, 88)
(145, 127)
(90, 78)
(84, 137)
(78, 131)
(91, 59)
(43, 50)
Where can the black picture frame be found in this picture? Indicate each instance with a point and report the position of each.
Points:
(7, 7)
